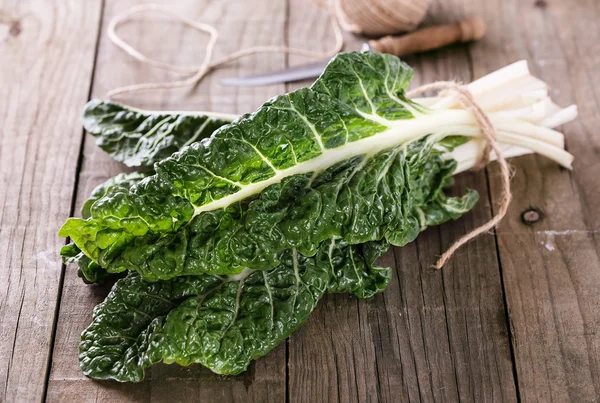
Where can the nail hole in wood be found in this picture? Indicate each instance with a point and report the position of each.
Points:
(531, 216)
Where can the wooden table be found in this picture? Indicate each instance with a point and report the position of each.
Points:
(514, 316)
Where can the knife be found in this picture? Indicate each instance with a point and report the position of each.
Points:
(422, 40)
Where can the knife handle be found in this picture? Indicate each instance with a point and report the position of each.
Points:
(431, 38)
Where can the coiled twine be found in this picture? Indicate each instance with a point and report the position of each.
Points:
(380, 17)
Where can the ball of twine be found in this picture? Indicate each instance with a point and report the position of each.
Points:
(380, 17)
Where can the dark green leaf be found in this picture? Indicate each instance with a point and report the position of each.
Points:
(141, 138)
(88, 270)
(222, 323)
(121, 182)
(332, 161)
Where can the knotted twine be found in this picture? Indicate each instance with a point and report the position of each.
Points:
(489, 134)
(338, 19)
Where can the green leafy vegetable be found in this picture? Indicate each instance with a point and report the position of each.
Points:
(224, 322)
(121, 182)
(233, 240)
(360, 200)
(330, 161)
(141, 138)
(349, 157)
(90, 271)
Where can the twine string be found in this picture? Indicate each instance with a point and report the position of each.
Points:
(199, 72)
(489, 134)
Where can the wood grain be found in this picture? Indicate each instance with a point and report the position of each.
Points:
(551, 269)
(511, 317)
(240, 27)
(431, 336)
(45, 76)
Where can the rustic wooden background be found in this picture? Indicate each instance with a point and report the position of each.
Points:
(515, 316)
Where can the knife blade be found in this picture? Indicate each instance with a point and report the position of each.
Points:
(422, 40)
(288, 75)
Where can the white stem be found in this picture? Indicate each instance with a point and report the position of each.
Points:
(561, 117)
(469, 154)
(520, 109)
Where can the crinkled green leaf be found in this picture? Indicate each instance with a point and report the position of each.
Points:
(443, 208)
(325, 162)
(357, 200)
(120, 182)
(88, 270)
(221, 322)
(382, 199)
(141, 138)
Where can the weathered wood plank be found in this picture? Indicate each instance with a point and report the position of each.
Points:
(242, 25)
(551, 269)
(47, 59)
(431, 336)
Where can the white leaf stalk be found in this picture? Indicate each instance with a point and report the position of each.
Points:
(517, 103)
(522, 112)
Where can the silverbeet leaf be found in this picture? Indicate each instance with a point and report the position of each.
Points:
(88, 270)
(120, 182)
(234, 239)
(140, 138)
(221, 322)
(330, 161)
(225, 322)
(391, 195)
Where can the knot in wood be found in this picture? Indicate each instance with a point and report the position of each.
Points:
(531, 216)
